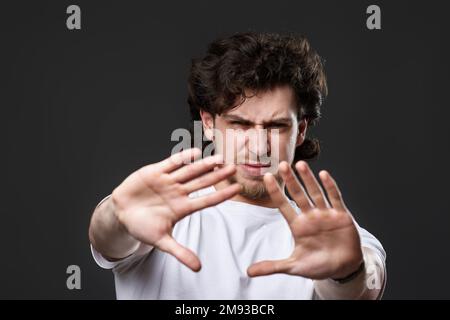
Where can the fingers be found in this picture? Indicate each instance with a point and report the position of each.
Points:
(269, 267)
(295, 188)
(178, 159)
(333, 192)
(196, 169)
(183, 254)
(279, 198)
(214, 198)
(312, 185)
(210, 178)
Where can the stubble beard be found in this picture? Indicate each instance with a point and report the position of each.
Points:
(255, 190)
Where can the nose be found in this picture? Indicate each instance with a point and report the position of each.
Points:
(258, 142)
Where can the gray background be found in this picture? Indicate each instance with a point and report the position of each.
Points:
(80, 110)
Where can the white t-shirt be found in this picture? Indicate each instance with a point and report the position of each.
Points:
(227, 238)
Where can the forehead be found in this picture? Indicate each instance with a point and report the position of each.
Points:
(266, 105)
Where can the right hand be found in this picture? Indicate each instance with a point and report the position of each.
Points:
(151, 200)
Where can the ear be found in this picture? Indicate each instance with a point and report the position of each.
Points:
(302, 126)
(208, 124)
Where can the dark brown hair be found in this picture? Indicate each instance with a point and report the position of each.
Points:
(257, 62)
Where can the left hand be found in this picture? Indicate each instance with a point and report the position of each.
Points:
(327, 243)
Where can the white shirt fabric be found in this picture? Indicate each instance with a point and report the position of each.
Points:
(227, 238)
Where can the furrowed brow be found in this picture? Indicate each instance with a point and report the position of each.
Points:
(231, 117)
(285, 121)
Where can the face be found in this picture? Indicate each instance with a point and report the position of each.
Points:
(257, 136)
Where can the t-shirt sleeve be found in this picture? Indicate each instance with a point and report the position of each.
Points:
(107, 264)
(369, 241)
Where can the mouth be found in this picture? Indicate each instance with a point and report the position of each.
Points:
(255, 169)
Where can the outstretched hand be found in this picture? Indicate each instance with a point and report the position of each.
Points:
(154, 198)
(327, 243)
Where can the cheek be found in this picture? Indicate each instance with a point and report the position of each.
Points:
(286, 145)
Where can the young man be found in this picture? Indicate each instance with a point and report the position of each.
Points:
(222, 227)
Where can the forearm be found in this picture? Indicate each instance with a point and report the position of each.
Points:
(107, 234)
(369, 284)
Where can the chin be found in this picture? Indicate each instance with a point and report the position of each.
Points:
(253, 188)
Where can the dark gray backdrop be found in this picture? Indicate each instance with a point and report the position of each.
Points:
(80, 110)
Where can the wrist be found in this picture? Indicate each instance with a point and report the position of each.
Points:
(352, 275)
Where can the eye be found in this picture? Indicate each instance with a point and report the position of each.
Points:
(239, 124)
(277, 126)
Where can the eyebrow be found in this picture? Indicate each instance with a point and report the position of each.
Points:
(231, 117)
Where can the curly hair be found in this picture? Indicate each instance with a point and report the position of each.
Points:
(258, 62)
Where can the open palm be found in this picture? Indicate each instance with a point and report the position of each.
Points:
(327, 243)
(154, 198)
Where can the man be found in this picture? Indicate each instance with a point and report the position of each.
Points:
(222, 227)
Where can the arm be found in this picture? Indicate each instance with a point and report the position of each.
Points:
(108, 236)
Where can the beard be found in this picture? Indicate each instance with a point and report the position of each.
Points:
(254, 189)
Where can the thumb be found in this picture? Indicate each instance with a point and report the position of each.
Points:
(183, 254)
(268, 267)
